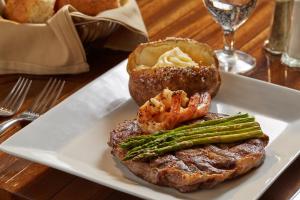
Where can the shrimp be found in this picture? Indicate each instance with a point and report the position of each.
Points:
(170, 108)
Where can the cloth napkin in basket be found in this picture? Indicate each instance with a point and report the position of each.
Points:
(56, 47)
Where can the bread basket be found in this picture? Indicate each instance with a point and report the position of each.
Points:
(90, 30)
(58, 46)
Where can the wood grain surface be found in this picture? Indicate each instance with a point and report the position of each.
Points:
(22, 179)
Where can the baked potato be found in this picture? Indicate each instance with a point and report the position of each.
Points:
(174, 63)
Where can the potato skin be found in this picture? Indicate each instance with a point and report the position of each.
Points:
(147, 83)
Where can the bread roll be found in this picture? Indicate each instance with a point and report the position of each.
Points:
(29, 11)
(89, 7)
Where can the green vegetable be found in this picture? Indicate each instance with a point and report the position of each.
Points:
(222, 130)
(137, 140)
(195, 142)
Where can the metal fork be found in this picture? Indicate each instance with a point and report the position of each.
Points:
(45, 100)
(12, 103)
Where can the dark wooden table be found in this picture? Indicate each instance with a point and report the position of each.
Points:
(22, 179)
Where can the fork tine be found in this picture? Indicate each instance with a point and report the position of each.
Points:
(52, 96)
(18, 93)
(58, 93)
(15, 94)
(8, 97)
(45, 97)
(21, 96)
(38, 99)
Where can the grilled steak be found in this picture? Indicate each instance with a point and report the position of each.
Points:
(190, 169)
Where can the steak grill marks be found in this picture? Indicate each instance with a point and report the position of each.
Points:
(190, 169)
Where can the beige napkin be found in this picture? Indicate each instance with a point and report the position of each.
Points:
(56, 47)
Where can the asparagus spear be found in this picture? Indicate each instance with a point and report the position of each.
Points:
(213, 122)
(138, 140)
(133, 141)
(192, 132)
(183, 137)
(197, 124)
(194, 142)
(175, 140)
(142, 143)
(237, 121)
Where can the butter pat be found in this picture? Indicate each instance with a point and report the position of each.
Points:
(175, 58)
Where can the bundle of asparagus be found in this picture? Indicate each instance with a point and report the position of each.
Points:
(222, 130)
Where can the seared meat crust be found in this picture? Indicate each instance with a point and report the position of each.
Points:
(191, 169)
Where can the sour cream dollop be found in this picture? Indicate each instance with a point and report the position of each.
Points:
(175, 57)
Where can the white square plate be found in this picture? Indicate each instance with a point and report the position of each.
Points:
(73, 136)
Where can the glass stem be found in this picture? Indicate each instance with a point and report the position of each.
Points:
(229, 42)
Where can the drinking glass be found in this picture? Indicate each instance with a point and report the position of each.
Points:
(231, 14)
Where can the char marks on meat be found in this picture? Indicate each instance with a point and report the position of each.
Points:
(191, 169)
